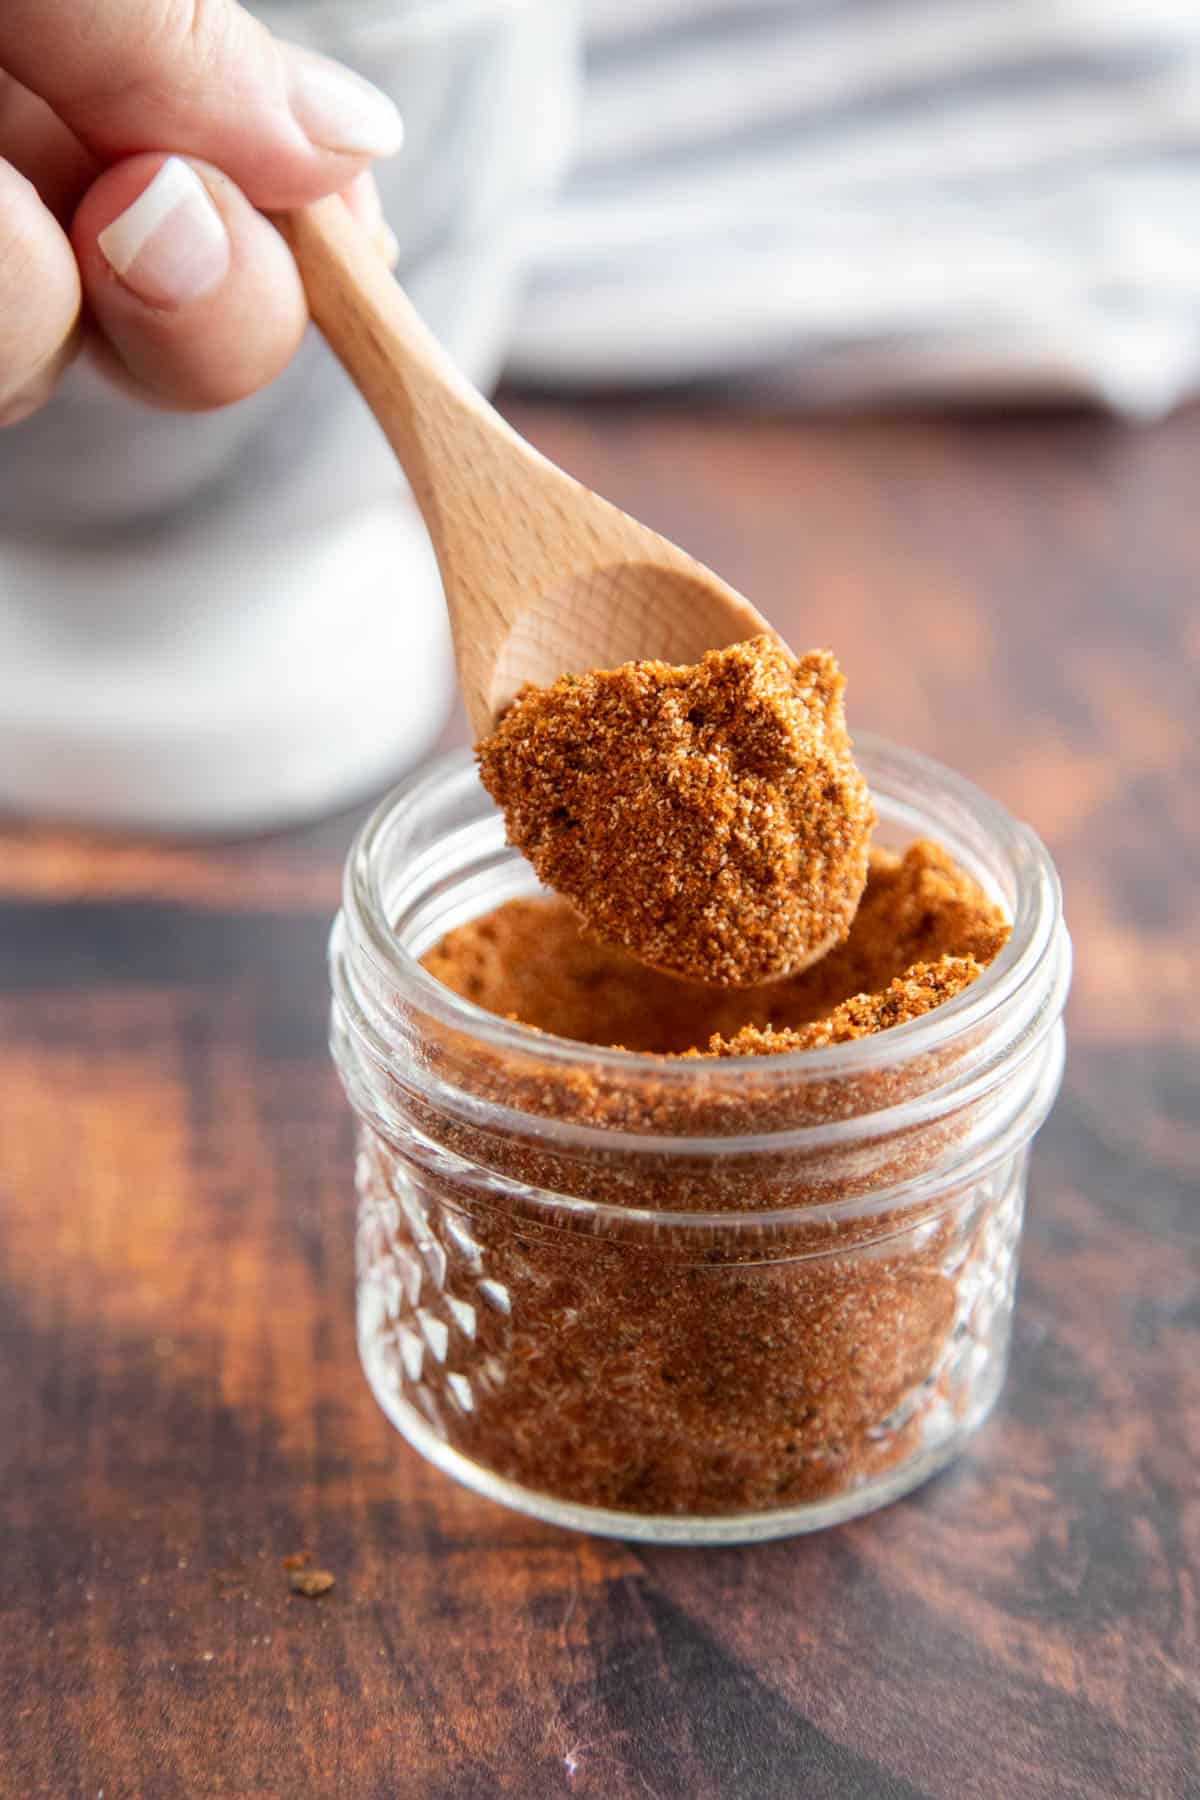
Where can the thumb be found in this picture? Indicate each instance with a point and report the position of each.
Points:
(203, 77)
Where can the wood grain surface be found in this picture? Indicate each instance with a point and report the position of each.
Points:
(180, 1402)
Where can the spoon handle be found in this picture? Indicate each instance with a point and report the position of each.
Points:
(442, 430)
(540, 575)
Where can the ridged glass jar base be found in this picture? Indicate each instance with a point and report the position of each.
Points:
(479, 1340)
(669, 1528)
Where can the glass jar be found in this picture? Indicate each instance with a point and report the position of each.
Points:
(695, 1301)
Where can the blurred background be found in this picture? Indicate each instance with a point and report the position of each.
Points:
(889, 311)
(849, 200)
(786, 204)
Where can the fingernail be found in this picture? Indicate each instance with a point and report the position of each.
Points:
(170, 247)
(338, 110)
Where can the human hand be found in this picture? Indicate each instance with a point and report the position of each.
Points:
(138, 138)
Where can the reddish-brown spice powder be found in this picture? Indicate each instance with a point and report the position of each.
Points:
(910, 996)
(709, 819)
(530, 961)
(723, 1373)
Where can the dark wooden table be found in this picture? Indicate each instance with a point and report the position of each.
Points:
(180, 1403)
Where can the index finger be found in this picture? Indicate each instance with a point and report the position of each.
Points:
(200, 76)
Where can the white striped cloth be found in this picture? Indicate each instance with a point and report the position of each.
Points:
(846, 200)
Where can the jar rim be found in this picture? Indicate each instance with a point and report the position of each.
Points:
(1036, 926)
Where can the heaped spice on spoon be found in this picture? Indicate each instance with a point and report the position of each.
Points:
(708, 819)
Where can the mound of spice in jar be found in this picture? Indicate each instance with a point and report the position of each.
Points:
(923, 931)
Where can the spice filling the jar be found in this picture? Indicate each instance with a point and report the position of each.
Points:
(686, 1299)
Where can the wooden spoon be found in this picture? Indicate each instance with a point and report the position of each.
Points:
(542, 577)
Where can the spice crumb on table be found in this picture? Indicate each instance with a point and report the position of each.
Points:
(312, 1583)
